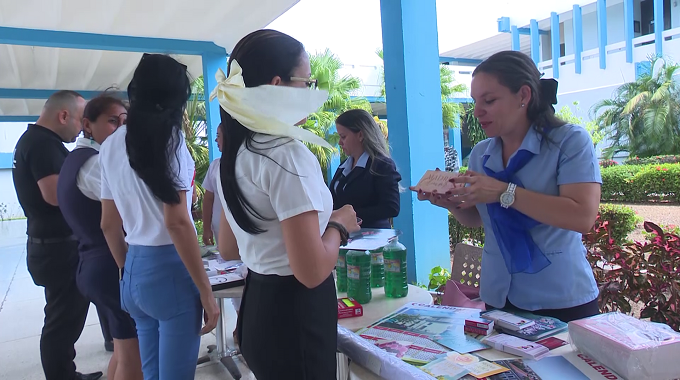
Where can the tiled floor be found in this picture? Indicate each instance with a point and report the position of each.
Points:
(21, 319)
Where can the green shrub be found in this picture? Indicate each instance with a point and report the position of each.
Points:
(615, 182)
(458, 233)
(199, 230)
(641, 183)
(622, 221)
(656, 160)
(660, 182)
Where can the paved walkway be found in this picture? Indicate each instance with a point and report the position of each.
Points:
(21, 320)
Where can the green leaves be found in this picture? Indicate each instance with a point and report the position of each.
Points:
(643, 116)
(194, 128)
(593, 129)
(438, 278)
(644, 273)
(325, 69)
(475, 132)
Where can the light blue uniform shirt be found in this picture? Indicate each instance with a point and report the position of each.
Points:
(568, 157)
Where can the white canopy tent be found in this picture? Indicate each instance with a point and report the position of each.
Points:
(32, 58)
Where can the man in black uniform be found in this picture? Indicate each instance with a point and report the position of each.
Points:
(52, 250)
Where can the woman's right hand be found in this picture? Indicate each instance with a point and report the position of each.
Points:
(210, 312)
(347, 217)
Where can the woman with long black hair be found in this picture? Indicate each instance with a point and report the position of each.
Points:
(146, 173)
(278, 212)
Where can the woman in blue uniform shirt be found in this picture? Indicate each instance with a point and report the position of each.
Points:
(534, 185)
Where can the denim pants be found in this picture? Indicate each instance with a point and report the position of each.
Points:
(157, 291)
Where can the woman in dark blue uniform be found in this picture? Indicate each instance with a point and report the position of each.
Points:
(78, 193)
(368, 179)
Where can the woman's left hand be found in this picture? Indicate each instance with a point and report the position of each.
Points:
(480, 189)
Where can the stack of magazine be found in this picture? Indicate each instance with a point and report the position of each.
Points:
(432, 338)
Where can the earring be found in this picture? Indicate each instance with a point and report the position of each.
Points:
(522, 105)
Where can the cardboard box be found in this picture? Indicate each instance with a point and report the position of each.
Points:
(633, 348)
(349, 308)
(477, 331)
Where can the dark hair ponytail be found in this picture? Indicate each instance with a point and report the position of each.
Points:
(263, 55)
(514, 69)
(158, 94)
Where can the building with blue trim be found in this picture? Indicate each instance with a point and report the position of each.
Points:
(591, 49)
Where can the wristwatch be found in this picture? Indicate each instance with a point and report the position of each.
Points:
(508, 197)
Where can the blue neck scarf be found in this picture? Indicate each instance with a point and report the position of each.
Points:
(511, 227)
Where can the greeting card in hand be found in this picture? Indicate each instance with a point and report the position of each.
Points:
(437, 180)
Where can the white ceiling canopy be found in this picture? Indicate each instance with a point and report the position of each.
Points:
(29, 59)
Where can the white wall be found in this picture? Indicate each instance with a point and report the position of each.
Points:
(8, 196)
(9, 135)
(369, 76)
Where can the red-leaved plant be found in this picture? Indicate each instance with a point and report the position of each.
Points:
(640, 272)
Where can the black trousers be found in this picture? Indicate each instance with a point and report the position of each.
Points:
(53, 266)
(104, 324)
(288, 331)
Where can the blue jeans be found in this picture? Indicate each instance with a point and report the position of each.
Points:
(157, 291)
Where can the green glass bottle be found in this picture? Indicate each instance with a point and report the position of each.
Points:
(341, 271)
(377, 268)
(396, 285)
(359, 276)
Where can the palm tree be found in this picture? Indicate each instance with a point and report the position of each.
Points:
(474, 130)
(195, 132)
(643, 116)
(449, 87)
(325, 69)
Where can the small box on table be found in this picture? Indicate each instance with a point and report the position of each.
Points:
(479, 323)
(477, 330)
(349, 308)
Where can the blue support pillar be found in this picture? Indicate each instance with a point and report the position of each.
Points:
(555, 43)
(535, 42)
(578, 38)
(658, 27)
(410, 46)
(628, 31)
(212, 62)
(602, 32)
(335, 159)
(515, 38)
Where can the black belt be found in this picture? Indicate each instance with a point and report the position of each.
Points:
(52, 240)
